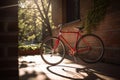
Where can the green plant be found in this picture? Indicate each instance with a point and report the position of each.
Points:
(96, 14)
(29, 47)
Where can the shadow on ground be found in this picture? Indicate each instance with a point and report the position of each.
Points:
(109, 71)
(34, 76)
(31, 74)
(76, 74)
(33, 68)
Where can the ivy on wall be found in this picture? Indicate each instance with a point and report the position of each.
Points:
(95, 14)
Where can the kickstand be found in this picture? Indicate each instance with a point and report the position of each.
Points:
(75, 59)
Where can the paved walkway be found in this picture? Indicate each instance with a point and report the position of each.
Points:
(33, 68)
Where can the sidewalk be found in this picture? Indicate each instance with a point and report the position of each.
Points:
(34, 68)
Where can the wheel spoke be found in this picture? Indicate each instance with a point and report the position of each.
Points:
(53, 52)
(94, 48)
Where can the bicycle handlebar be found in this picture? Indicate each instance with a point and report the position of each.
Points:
(80, 28)
(60, 26)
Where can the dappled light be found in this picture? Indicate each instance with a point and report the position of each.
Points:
(32, 67)
(34, 21)
(36, 24)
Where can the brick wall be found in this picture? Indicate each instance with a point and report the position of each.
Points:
(108, 30)
(57, 10)
(8, 40)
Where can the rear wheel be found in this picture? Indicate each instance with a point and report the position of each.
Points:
(52, 51)
(90, 48)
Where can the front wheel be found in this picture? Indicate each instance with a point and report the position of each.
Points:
(52, 50)
(90, 48)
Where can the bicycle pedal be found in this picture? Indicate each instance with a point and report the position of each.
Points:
(75, 59)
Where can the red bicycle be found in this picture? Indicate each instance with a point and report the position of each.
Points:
(88, 47)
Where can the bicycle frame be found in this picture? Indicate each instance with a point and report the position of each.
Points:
(72, 49)
(82, 44)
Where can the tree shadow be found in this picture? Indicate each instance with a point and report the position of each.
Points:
(34, 76)
(24, 64)
(27, 75)
(29, 72)
(78, 73)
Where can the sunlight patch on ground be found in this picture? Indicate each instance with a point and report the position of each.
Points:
(34, 65)
(34, 68)
(38, 60)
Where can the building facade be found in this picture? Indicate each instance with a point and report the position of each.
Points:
(108, 29)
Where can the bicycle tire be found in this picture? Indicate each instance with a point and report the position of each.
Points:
(48, 55)
(96, 50)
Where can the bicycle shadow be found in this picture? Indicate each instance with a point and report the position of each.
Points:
(74, 73)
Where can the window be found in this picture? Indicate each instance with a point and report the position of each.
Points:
(72, 10)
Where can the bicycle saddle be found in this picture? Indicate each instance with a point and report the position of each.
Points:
(80, 28)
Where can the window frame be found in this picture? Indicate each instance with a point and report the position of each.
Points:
(74, 7)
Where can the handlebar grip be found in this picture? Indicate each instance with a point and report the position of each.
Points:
(59, 25)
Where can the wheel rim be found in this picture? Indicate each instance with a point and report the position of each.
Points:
(96, 50)
(50, 55)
